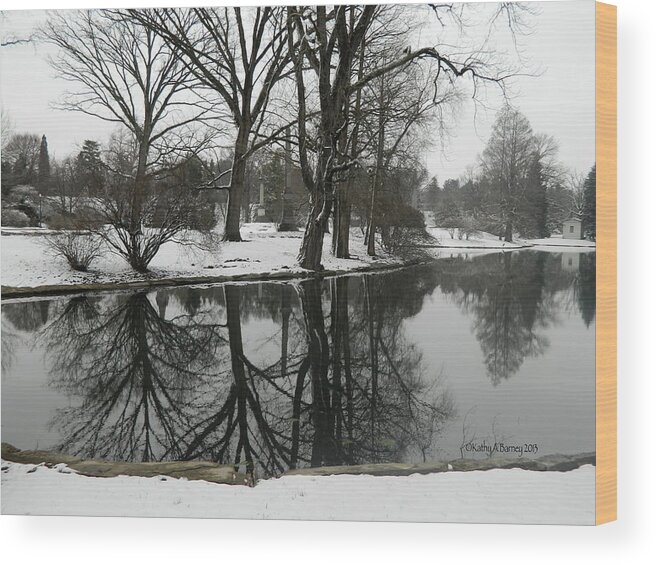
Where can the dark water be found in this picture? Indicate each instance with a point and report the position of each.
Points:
(432, 362)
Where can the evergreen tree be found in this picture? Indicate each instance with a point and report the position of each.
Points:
(43, 180)
(590, 204)
(90, 168)
(536, 204)
(432, 195)
(448, 212)
(6, 177)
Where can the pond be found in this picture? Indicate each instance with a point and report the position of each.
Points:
(433, 362)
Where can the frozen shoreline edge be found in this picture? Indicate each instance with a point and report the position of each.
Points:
(225, 473)
(7, 292)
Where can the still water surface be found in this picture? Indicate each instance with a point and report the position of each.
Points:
(433, 362)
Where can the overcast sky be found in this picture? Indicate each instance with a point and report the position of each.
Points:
(558, 100)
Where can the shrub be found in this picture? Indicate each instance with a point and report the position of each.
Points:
(78, 248)
(467, 228)
(61, 221)
(400, 226)
(81, 220)
(14, 218)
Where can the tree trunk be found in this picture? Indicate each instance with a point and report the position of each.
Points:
(134, 251)
(309, 255)
(343, 203)
(140, 181)
(371, 226)
(371, 229)
(509, 230)
(342, 221)
(237, 182)
(340, 209)
(287, 218)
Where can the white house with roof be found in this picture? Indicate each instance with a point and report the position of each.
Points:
(573, 229)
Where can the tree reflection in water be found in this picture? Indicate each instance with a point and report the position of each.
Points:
(136, 374)
(586, 287)
(191, 374)
(513, 298)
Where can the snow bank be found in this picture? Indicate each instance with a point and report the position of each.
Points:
(27, 262)
(560, 242)
(482, 240)
(499, 495)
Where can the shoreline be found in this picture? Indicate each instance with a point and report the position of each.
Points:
(9, 292)
(227, 475)
(281, 270)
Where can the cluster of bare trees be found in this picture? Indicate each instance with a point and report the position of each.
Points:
(519, 186)
(349, 91)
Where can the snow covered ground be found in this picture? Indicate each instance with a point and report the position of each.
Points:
(484, 240)
(559, 241)
(499, 496)
(480, 240)
(27, 262)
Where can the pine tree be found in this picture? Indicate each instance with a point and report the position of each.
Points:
(536, 202)
(431, 196)
(43, 180)
(590, 204)
(90, 167)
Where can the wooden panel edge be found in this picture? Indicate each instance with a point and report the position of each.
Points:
(606, 342)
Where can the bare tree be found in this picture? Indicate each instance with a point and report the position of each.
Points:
(384, 31)
(240, 55)
(6, 128)
(575, 202)
(20, 153)
(519, 166)
(402, 105)
(506, 161)
(323, 37)
(127, 75)
(13, 39)
(329, 41)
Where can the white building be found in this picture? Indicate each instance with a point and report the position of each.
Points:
(573, 229)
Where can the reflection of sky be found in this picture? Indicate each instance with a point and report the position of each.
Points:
(549, 401)
(28, 404)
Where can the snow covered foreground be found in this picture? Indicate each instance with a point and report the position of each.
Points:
(499, 496)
